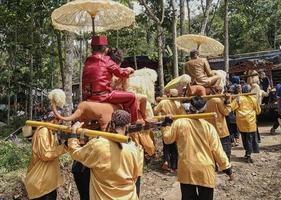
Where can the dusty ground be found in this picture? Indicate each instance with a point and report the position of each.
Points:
(258, 181)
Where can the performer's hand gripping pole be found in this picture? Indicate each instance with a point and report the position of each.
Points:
(87, 132)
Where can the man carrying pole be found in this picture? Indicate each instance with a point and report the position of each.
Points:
(222, 108)
(114, 167)
(246, 109)
(199, 150)
(43, 175)
(169, 107)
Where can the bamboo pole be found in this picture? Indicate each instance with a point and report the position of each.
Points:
(87, 132)
(207, 96)
(190, 116)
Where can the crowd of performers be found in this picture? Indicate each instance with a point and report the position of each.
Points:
(193, 148)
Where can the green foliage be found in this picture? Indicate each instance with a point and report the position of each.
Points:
(254, 25)
(13, 156)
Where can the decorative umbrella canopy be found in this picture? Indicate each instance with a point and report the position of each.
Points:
(177, 82)
(206, 46)
(81, 16)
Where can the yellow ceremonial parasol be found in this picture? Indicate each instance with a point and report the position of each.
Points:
(206, 46)
(82, 16)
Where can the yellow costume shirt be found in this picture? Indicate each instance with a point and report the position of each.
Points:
(114, 171)
(246, 109)
(144, 139)
(43, 174)
(165, 107)
(199, 148)
(199, 70)
(217, 105)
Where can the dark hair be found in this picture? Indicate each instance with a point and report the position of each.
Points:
(99, 48)
(197, 103)
(246, 88)
(116, 55)
(119, 119)
(193, 53)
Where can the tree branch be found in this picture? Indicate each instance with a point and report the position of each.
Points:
(163, 11)
(206, 18)
(203, 8)
(213, 17)
(149, 11)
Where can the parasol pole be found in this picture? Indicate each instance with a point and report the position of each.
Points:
(190, 116)
(207, 96)
(198, 46)
(90, 133)
(93, 24)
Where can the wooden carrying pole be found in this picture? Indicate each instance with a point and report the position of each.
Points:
(207, 96)
(87, 132)
(191, 116)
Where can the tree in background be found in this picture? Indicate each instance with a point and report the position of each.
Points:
(174, 33)
(158, 21)
(226, 43)
(206, 12)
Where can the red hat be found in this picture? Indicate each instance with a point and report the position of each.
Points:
(99, 40)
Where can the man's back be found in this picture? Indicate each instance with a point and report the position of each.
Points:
(43, 174)
(113, 170)
(217, 105)
(246, 110)
(96, 72)
(195, 67)
(199, 149)
(172, 107)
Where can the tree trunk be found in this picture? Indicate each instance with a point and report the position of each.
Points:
(160, 58)
(206, 16)
(31, 65)
(52, 63)
(68, 71)
(35, 105)
(9, 98)
(117, 39)
(81, 69)
(30, 108)
(175, 51)
(26, 104)
(135, 61)
(226, 41)
(182, 30)
(58, 34)
(182, 17)
(16, 103)
(158, 21)
(188, 15)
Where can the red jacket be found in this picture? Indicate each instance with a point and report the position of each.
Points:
(97, 74)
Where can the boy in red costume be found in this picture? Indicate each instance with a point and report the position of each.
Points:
(97, 75)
